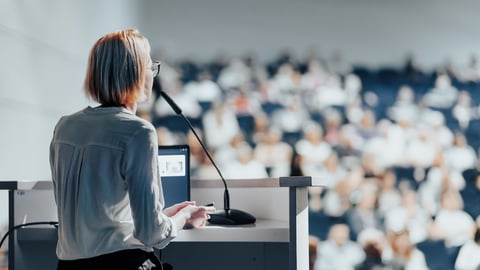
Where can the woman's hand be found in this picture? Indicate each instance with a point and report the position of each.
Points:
(173, 210)
(187, 215)
(199, 216)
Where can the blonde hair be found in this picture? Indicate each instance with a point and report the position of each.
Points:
(116, 68)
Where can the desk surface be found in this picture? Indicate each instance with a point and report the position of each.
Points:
(26, 185)
(263, 231)
(292, 181)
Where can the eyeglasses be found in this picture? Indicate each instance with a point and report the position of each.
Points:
(155, 68)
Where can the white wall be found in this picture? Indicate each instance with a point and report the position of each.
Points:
(44, 49)
(373, 32)
(45, 45)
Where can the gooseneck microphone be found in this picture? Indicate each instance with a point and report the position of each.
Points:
(226, 216)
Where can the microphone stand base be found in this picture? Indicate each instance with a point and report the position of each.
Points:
(231, 217)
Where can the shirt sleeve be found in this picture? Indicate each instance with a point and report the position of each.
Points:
(151, 226)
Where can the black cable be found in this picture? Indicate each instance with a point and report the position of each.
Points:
(53, 223)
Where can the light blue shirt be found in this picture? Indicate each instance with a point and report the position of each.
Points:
(334, 257)
(106, 184)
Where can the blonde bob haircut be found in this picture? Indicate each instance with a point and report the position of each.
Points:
(116, 68)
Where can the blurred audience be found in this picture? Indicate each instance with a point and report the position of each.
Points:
(396, 149)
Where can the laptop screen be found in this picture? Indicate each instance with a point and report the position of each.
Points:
(174, 167)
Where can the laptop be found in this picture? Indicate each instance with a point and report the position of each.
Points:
(174, 167)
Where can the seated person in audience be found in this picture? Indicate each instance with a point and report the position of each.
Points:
(291, 119)
(312, 149)
(409, 216)
(349, 147)
(338, 251)
(442, 95)
(261, 128)
(469, 255)
(389, 196)
(287, 81)
(420, 152)
(244, 103)
(439, 133)
(366, 128)
(352, 87)
(440, 171)
(220, 125)
(438, 178)
(464, 110)
(377, 249)
(364, 213)
(228, 153)
(244, 166)
(235, 75)
(316, 76)
(404, 107)
(388, 136)
(204, 89)
(331, 174)
(333, 124)
(336, 201)
(470, 73)
(274, 154)
(332, 171)
(452, 224)
(404, 253)
(329, 94)
(460, 156)
(370, 166)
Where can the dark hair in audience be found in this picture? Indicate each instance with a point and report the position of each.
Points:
(477, 235)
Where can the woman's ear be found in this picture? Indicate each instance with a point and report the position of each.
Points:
(146, 95)
(146, 92)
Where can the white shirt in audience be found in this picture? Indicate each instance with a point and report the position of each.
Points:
(468, 257)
